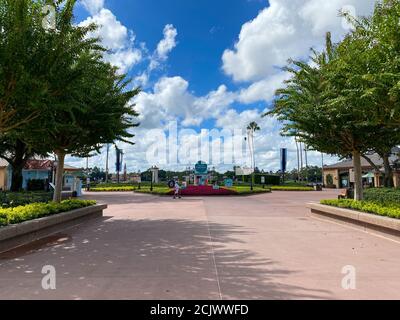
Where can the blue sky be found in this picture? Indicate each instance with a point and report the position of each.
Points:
(210, 65)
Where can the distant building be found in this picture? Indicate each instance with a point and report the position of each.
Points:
(37, 170)
(341, 174)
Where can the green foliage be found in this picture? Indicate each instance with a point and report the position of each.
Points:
(390, 209)
(14, 199)
(382, 195)
(269, 179)
(289, 188)
(348, 101)
(246, 190)
(162, 191)
(23, 53)
(113, 189)
(39, 210)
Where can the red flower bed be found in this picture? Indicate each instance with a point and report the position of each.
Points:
(205, 191)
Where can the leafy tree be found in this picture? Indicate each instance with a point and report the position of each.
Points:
(378, 76)
(89, 105)
(313, 107)
(23, 62)
(97, 174)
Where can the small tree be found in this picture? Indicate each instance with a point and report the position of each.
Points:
(90, 103)
(318, 107)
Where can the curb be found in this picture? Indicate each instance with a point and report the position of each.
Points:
(366, 221)
(17, 235)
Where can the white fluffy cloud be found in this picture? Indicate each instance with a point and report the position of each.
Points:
(116, 38)
(285, 29)
(160, 54)
(263, 89)
(171, 99)
(93, 6)
(168, 42)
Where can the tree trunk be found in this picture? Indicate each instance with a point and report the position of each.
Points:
(59, 176)
(17, 165)
(358, 188)
(388, 180)
(16, 178)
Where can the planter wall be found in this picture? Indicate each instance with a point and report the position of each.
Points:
(23, 233)
(364, 221)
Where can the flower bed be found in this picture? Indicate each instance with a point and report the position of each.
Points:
(38, 210)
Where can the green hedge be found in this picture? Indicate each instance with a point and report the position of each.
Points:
(162, 191)
(289, 188)
(244, 190)
(15, 199)
(39, 210)
(113, 189)
(383, 195)
(390, 209)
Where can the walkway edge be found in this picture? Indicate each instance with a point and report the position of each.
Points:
(17, 235)
(366, 221)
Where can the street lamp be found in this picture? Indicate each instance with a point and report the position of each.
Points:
(248, 139)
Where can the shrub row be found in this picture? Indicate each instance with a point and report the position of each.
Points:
(113, 189)
(390, 209)
(15, 199)
(289, 188)
(243, 190)
(383, 195)
(39, 210)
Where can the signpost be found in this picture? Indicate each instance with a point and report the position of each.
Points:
(118, 163)
(284, 156)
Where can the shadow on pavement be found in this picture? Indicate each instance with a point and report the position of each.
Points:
(147, 259)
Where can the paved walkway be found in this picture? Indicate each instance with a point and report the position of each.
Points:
(258, 247)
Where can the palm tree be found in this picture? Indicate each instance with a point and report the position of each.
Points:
(251, 129)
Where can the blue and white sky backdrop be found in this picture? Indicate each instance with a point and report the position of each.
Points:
(211, 63)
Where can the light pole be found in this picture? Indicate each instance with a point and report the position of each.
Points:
(250, 135)
(108, 152)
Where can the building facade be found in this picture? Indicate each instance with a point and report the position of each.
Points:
(38, 170)
(341, 174)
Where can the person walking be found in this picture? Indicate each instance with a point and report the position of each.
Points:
(177, 189)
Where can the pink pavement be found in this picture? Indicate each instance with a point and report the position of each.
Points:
(258, 247)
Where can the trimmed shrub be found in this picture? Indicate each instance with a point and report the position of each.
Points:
(244, 190)
(113, 189)
(39, 210)
(289, 188)
(390, 209)
(383, 195)
(15, 199)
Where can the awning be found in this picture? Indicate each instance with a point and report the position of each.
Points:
(369, 175)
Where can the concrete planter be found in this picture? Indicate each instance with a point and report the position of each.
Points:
(23, 233)
(365, 221)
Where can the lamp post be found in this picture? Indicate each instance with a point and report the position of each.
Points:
(108, 152)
